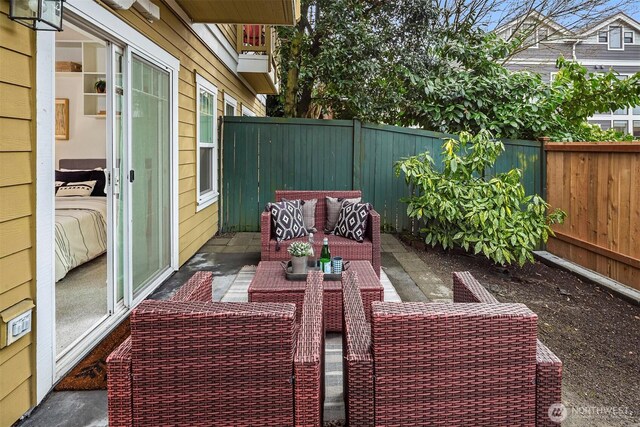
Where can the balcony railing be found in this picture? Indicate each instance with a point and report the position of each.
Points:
(255, 38)
(255, 45)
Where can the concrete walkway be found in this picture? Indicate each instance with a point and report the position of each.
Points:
(409, 275)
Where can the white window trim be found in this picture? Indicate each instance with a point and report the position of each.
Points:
(609, 38)
(606, 32)
(247, 112)
(210, 197)
(633, 36)
(229, 100)
(545, 39)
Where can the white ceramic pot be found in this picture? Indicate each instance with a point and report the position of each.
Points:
(299, 264)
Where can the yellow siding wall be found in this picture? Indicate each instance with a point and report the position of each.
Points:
(17, 142)
(176, 38)
(17, 160)
(229, 31)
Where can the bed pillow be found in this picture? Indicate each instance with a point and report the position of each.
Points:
(308, 214)
(85, 175)
(352, 222)
(68, 189)
(333, 211)
(287, 220)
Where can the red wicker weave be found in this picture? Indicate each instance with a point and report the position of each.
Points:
(368, 250)
(548, 384)
(357, 366)
(225, 364)
(119, 385)
(467, 289)
(441, 364)
(197, 288)
(309, 357)
(548, 366)
(271, 285)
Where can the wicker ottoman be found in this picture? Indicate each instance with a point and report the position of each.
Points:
(271, 285)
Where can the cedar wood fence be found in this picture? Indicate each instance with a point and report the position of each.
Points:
(597, 184)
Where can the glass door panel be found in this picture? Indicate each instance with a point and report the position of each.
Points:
(150, 171)
(119, 170)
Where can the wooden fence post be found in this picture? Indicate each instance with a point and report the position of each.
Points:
(543, 165)
(356, 143)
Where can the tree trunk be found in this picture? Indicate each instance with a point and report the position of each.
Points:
(291, 91)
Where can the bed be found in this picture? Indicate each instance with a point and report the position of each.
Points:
(80, 221)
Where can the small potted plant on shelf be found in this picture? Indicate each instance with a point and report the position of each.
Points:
(101, 86)
(299, 252)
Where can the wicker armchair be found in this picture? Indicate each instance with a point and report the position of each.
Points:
(190, 361)
(428, 364)
(548, 366)
(369, 250)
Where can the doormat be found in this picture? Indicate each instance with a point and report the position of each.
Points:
(91, 372)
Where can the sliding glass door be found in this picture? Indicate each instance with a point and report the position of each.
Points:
(141, 172)
(118, 168)
(150, 172)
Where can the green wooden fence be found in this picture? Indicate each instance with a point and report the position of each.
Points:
(261, 154)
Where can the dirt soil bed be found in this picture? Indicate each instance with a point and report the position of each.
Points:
(595, 334)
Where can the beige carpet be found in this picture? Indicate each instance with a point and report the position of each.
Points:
(81, 300)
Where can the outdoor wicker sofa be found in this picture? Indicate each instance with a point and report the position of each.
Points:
(434, 364)
(369, 250)
(190, 361)
(466, 289)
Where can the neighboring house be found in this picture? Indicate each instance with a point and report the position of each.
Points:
(171, 69)
(613, 43)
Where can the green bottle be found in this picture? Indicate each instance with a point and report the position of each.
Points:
(325, 257)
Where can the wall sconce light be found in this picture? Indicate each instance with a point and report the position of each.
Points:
(39, 15)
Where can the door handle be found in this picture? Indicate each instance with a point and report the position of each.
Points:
(132, 175)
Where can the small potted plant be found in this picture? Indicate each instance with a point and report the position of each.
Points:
(299, 252)
(101, 86)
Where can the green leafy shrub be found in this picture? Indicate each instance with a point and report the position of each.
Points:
(460, 207)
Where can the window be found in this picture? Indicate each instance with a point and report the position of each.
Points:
(603, 37)
(543, 34)
(620, 112)
(636, 128)
(247, 112)
(529, 34)
(621, 126)
(230, 105)
(628, 37)
(615, 37)
(636, 111)
(206, 154)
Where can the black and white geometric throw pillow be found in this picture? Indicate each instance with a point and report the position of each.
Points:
(352, 222)
(287, 220)
(70, 189)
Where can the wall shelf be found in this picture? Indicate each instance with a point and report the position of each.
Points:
(92, 56)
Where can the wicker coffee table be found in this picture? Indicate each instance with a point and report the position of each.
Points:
(271, 285)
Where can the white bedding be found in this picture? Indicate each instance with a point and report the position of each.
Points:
(80, 231)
